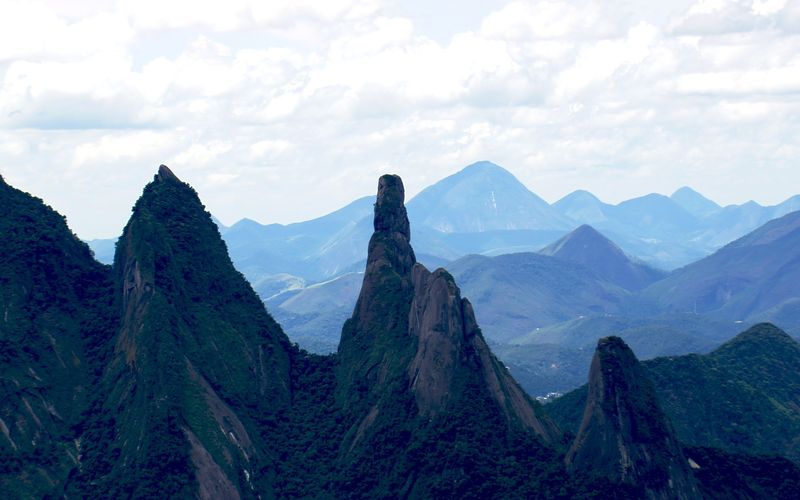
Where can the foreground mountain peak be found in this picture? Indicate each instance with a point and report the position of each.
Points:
(624, 435)
(194, 347)
(413, 362)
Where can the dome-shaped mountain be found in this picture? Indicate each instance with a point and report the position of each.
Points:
(583, 206)
(482, 197)
(586, 246)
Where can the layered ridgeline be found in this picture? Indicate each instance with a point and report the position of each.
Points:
(431, 410)
(754, 277)
(624, 435)
(197, 363)
(164, 376)
(744, 397)
(55, 321)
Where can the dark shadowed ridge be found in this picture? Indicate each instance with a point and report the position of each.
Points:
(624, 435)
(55, 322)
(746, 390)
(196, 360)
(412, 357)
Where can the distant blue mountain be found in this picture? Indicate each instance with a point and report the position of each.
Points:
(694, 202)
(484, 209)
(750, 278)
(583, 206)
(587, 247)
(483, 197)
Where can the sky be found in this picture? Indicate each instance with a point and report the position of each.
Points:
(284, 110)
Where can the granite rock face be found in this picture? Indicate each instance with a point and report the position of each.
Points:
(624, 435)
(412, 337)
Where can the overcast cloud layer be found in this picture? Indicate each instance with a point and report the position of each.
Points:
(287, 109)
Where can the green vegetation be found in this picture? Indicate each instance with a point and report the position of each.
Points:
(742, 397)
(55, 322)
(164, 375)
(725, 475)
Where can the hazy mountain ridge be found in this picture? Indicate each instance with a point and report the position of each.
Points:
(484, 209)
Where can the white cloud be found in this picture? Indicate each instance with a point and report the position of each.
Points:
(600, 61)
(527, 20)
(774, 80)
(199, 155)
(261, 104)
(111, 148)
(28, 28)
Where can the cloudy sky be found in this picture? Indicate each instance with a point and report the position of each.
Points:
(283, 110)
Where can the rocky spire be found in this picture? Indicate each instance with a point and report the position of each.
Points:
(381, 312)
(412, 336)
(624, 435)
(450, 348)
(390, 212)
(165, 174)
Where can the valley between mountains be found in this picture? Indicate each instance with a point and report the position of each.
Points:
(167, 373)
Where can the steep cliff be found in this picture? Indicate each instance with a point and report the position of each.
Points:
(428, 403)
(55, 321)
(197, 360)
(624, 436)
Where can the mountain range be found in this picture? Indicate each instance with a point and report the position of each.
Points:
(163, 375)
(544, 311)
(484, 209)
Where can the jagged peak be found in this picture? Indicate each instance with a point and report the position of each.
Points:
(390, 210)
(624, 435)
(165, 174)
(613, 344)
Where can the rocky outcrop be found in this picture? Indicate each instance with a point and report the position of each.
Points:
(380, 318)
(624, 436)
(418, 384)
(449, 341)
